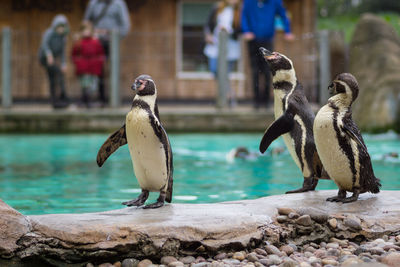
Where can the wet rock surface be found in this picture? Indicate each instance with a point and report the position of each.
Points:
(243, 233)
(375, 62)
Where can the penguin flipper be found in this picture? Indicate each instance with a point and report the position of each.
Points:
(282, 125)
(117, 139)
(354, 137)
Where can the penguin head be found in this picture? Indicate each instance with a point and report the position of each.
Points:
(144, 85)
(345, 87)
(276, 61)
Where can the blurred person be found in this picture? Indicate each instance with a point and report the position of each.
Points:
(258, 27)
(52, 57)
(88, 56)
(106, 15)
(225, 16)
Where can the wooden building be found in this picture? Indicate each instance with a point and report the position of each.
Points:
(165, 41)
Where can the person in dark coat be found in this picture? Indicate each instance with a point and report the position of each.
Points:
(52, 57)
(258, 27)
(88, 56)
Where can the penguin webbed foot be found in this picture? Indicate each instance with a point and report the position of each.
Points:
(158, 204)
(353, 198)
(339, 198)
(309, 184)
(138, 201)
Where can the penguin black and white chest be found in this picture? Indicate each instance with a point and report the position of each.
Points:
(294, 120)
(148, 143)
(339, 142)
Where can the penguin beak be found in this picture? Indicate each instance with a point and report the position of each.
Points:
(266, 53)
(134, 87)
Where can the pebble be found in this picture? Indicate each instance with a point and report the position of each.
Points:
(353, 223)
(274, 259)
(282, 219)
(89, 265)
(271, 249)
(106, 265)
(261, 251)
(332, 223)
(285, 211)
(293, 215)
(175, 264)
(144, 263)
(239, 256)
(392, 259)
(200, 259)
(130, 262)
(167, 260)
(305, 264)
(329, 261)
(252, 257)
(304, 220)
(287, 249)
(231, 261)
(187, 259)
(200, 264)
(220, 256)
(332, 245)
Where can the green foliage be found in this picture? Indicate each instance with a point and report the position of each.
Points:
(347, 23)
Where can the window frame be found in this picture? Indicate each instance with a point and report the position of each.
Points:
(198, 75)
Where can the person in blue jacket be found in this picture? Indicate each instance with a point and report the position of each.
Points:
(258, 27)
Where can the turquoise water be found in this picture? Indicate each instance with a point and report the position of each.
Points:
(41, 174)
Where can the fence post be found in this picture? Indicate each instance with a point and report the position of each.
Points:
(324, 66)
(222, 70)
(115, 63)
(6, 67)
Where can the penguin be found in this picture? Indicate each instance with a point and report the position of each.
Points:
(148, 143)
(340, 145)
(293, 120)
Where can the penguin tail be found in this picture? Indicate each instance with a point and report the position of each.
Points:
(376, 183)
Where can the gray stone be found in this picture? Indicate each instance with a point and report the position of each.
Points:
(315, 214)
(200, 264)
(271, 249)
(252, 257)
(231, 261)
(288, 263)
(107, 264)
(167, 260)
(130, 263)
(13, 225)
(175, 264)
(261, 251)
(285, 210)
(187, 259)
(391, 259)
(282, 219)
(304, 220)
(220, 256)
(275, 259)
(293, 215)
(239, 256)
(352, 223)
(376, 69)
(144, 263)
(287, 249)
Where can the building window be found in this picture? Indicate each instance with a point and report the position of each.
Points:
(193, 15)
(191, 61)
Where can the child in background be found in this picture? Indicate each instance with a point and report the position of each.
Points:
(88, 56)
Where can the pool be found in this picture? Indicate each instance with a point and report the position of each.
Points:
(42, 174)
